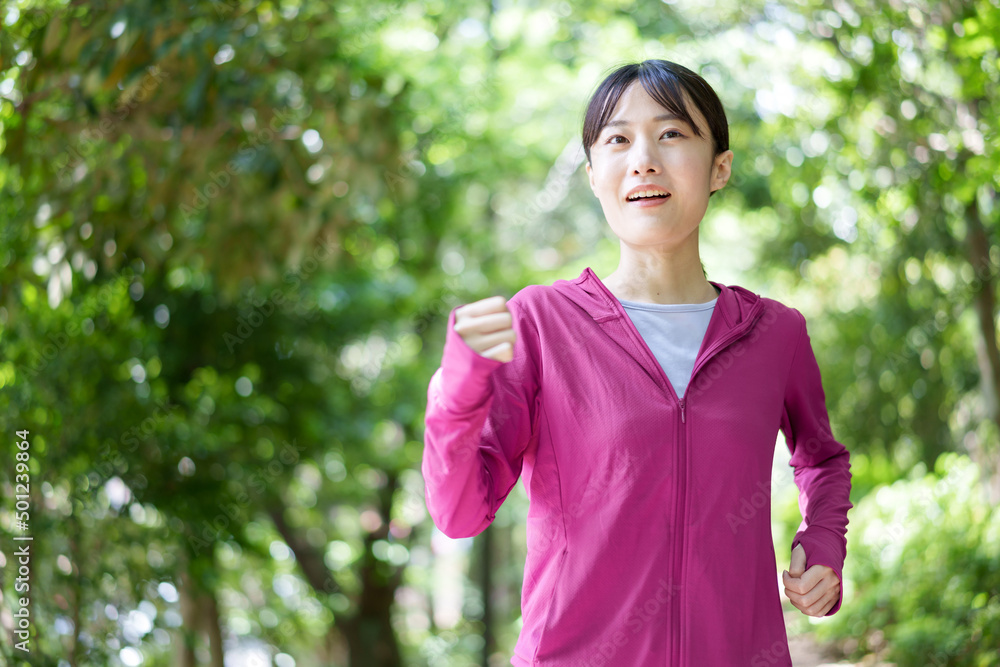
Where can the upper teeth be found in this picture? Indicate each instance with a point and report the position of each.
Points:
(646, 193)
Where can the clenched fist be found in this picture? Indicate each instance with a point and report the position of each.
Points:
(814, 591)
(487, 326)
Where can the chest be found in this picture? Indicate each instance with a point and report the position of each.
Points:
(611, 414)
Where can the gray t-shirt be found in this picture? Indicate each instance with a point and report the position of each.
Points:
(673, 332)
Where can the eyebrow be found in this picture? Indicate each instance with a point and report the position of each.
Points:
(661, 117)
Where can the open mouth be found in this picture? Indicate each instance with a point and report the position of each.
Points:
(651, 195)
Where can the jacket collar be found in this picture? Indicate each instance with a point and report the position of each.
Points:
(736, 311)
(735, 303)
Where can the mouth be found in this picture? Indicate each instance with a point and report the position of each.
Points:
(648, 197)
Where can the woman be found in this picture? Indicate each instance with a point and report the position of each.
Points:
(642, 410)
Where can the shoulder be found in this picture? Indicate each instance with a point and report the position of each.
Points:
(783, 321)
(776, 309)
(536, 300)
(528, 307)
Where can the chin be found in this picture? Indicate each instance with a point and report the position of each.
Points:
(639, 240)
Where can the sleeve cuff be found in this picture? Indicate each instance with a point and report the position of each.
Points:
(465, 374)
(819, 552)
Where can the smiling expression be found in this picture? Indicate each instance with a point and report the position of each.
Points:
(651, 172)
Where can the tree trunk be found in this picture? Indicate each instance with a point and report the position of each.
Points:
(200, 614)
(369, 633)
(987, 352)
(371, 639)
(76, 554)
(214, 628)
(486, 586)
(188, 630)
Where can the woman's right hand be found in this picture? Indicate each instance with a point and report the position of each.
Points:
(487, 326)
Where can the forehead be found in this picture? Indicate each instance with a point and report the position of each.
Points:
(636, 106)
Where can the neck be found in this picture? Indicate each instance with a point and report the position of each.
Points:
(665, 277)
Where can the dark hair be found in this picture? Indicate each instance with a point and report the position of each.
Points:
(666, 82)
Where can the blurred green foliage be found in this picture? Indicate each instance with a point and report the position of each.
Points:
(231, 233)
(925, 568)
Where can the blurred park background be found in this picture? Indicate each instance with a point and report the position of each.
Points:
(231, 233)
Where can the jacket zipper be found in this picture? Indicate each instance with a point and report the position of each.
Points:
(681, 494)
(743, 328)
(679, 509)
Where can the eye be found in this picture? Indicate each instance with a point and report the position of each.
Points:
(674, 132)
(611, 139)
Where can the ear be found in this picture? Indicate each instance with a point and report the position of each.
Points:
(722, 169)
(590, 175)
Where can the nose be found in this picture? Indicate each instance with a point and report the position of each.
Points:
(644, 158)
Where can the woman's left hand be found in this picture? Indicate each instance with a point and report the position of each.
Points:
(813, 591)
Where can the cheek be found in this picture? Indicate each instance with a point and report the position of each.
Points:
(694, 167)
(606, 176)
(690, 161)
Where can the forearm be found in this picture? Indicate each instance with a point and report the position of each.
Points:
(824, 500)
(821, 463)
(457, 485)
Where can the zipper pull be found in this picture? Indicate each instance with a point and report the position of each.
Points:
(682, 412)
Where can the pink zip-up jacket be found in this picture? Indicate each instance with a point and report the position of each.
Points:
(649, 525)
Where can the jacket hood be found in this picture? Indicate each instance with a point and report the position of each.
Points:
(738, 305)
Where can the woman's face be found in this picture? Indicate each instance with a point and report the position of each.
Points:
(644, 149)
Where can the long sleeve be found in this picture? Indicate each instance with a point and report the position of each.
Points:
(822, 465)
(481, 418)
